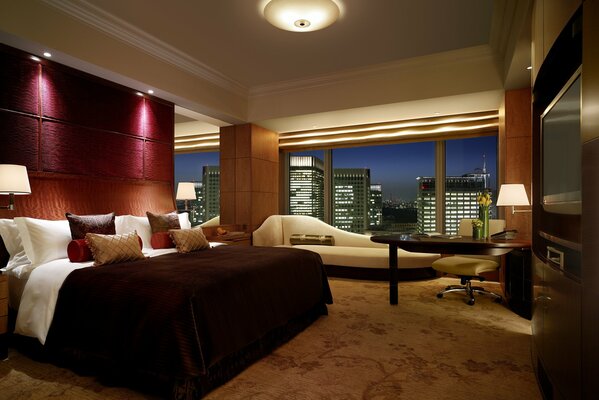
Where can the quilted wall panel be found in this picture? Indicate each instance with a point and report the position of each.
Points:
(56, 119)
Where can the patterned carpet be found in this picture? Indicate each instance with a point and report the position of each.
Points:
(424, 348)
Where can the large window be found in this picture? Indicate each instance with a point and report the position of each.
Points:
(470, 168)
(204, 171)
(377, 188)
(392, 188)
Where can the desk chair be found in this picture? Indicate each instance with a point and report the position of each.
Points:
(468, 267)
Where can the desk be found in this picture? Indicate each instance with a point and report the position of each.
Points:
(463, 245)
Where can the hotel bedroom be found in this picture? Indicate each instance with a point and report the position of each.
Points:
(114, 285)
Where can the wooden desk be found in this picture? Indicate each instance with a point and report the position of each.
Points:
(463, 245)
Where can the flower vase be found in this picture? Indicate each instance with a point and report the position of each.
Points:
(484, 216)
(477, 232)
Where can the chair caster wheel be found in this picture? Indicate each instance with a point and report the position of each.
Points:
(439, 295)
(471, 302)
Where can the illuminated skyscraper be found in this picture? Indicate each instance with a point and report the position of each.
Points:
(375, 208)
(306, 186)
(351, 199)
(211, 189)
(460, 200)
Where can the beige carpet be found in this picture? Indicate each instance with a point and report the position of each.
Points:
(424, 348)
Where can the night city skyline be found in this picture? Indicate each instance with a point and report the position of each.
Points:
(396, 167)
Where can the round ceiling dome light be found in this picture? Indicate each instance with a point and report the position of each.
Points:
(301, 15)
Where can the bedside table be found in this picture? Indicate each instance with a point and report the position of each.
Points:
(3, 316)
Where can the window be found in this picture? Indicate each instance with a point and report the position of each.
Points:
(204, 171)
(470, 168)
(392, 188)
(378, 188)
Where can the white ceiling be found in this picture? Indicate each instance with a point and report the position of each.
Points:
(229, 44)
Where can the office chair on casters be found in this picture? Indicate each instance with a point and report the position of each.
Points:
(468, 267)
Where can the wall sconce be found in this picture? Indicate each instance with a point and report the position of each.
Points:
(186, 191)
(513, 194)
(13, 181)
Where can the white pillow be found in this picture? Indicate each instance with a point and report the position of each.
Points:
(10, 236)
(129, 223)
(44, 240)
(184, 221)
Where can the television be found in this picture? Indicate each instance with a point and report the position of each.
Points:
(561, 151)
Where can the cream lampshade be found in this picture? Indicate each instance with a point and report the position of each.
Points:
(13, 181)
(186, 191)
(513, 194)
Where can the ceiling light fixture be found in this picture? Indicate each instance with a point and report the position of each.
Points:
(301, 15)
(34, 58)
(140, 94)
(47, 54)
(150, 91)
(529, 67)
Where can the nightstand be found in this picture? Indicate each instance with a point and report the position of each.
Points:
(3, 316)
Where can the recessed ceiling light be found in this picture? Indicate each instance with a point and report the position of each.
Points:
(139, 94)
(47, 54)
(529, 67)
(34, 58)
(301, 15)
(150, 91)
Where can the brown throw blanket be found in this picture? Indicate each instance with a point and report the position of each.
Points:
(176, 315)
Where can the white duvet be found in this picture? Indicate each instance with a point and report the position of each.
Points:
(38, 301)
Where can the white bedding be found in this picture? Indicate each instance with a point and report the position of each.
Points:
(40, 294)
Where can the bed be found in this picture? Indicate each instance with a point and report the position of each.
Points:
(188, 322)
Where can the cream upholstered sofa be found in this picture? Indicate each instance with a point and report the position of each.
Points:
(349, 249)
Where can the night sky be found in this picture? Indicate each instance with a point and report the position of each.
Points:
(396, 167)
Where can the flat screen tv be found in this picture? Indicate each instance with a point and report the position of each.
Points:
(561, 151)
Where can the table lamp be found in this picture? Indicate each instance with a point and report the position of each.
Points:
(186, 191)
(13, 181)
(513, 194)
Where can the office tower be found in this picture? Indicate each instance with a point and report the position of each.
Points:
(375, 210)
(460, 200)
(306, 186)
(426, 204)
(211, 189)
(351, 195)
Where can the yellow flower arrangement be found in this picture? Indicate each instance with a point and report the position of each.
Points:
(484, 199)
(477, 223)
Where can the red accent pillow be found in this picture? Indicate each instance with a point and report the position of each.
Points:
(161, 240)
(78, 250)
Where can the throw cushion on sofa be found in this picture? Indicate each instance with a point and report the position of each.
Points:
(305, 239)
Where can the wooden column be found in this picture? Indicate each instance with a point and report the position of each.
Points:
(515, 148)
(249, 175)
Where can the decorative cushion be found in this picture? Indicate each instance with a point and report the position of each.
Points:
(163, 222)
(79, 251)
(187, 240)
(44, 240)
(82, 224)
(303, 239)
(162, 240)
(110, 249)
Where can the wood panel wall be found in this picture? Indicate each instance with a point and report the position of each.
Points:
(249, 175)
(90, 145)
(516, 153)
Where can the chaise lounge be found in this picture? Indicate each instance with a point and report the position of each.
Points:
(345, 254)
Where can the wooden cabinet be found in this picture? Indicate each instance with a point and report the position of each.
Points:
(556, 329)
(3, 316)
